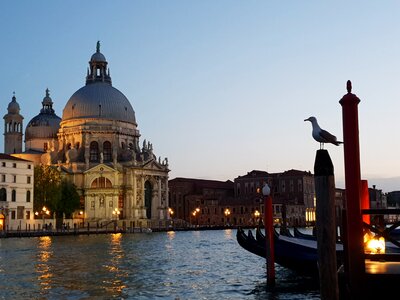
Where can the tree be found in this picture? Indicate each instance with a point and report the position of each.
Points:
(46, 187)
(69, 200)
(58, 195)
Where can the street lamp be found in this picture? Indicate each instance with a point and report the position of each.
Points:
(195, 213)
(170, 211)
(116, 213)
(43, 212)
(256, 215)
(227, 213)
(81, 214)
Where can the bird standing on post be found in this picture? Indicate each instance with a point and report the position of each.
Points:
(322, 136)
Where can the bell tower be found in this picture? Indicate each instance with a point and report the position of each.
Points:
(13, 128)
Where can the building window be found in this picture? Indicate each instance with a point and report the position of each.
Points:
(45, 147)
(14, 165)
(13, 214)
(13, 196)
(15, 178)
(28, 179)
(101, 182)
(94, 152)
(107, 151)
(28, 196)
(29, 167)
(28, 215)
(3, 194)
(3, 178)
(3, 164)
(92, 204)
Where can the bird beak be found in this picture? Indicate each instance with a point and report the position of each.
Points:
(307, 119)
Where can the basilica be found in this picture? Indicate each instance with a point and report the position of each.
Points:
(95, 144)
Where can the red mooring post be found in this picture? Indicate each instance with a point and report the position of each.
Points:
(269, 234)
(365, 200)
(354, 232)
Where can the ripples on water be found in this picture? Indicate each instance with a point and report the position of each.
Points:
(166, 265)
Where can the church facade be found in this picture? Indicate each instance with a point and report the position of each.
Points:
(95, 144)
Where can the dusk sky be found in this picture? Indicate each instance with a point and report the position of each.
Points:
(221, 87)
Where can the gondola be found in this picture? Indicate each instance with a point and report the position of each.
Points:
(296, 254)
(298, 234)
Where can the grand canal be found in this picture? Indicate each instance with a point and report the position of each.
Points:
(159, 265)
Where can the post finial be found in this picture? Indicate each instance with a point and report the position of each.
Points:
(98, 46)
(349, 86)
(47, 92)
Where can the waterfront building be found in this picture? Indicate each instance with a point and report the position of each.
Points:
(96, 146)
(16, 192)
(241, 203)
(292, 191)
(199, 201)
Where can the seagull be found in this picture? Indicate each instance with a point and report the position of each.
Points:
(320, 135)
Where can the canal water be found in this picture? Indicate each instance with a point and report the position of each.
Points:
(206, 264)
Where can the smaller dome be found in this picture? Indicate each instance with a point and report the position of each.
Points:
(13, 106)
(43, 126)
(46, 123)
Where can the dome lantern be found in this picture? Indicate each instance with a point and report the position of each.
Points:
(98, 68)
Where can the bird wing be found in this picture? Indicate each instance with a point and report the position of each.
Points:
(329, 138)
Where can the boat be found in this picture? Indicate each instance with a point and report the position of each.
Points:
(297, 254)
(301, 235)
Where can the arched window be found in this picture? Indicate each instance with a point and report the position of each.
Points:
(28, 196)
(94, 152)
(101, 182)
(3, 194)
(107, 151)
(13, 196)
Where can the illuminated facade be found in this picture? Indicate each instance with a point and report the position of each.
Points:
(96, 145)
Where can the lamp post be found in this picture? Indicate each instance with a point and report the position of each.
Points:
(82, 215)
(256, 216)
(116, 213)
(195, 214)
(171, 212)
(43, 212)
(227, 213)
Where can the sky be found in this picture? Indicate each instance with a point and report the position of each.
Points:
(221, 87)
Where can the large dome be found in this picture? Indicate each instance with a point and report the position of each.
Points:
(99, 100)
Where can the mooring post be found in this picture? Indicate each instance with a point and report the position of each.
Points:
(326, 225)
(365, 201)
(269, 236)
(354, 232)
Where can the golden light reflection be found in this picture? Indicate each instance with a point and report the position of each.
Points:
(171, 235)
(43, 268)
(117, 254)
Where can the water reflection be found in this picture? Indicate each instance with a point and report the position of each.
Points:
(116, 274)
(174, 265)
(43, 268)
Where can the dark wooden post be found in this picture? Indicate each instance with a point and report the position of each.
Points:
(354, 232)
(326, 225)
(269, 234)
